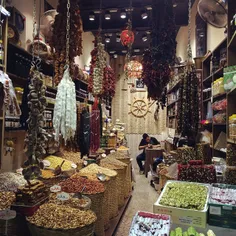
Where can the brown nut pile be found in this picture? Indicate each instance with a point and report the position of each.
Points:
(76, 184)
(54, 216)
(59, 37)
(72, 202)
(6, 200)
(73, 156)
(113, 161)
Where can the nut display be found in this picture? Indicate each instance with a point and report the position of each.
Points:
(73, 157)
(184, 195)
(11, 181)
(47, 174)
(6, 200)
(37, 137)
(56, 161)
(55, 216)
(78, 184)
(191, 231)
(79, 203)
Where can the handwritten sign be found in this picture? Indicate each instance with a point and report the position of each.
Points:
(46, 163)
(55, 189)
(7, 214)
(73, 165)
(63, 196)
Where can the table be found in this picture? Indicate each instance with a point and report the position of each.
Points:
(150, 154)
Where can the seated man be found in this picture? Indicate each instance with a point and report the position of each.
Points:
(145, 142)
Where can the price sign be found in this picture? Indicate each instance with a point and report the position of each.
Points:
(46, 163)
(112, 151)
(73, 165)
(104, 155)
(63, 196)
(85, 163)
(7, 214)
(55, 189)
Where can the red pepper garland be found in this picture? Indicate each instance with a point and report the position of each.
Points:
(109, 83)
(156, 61)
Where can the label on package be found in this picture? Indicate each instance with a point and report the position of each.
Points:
(7, 214)
(73, 165)
(55, 189)
(215, 210)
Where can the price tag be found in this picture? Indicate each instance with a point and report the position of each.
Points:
(73, 165)
(7, 214)
(112, 151)
(63, 196)
(55, 189)
(215, 210)
(85, 163)
(104, 155)
(46, 163)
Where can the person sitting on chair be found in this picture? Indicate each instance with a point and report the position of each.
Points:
(145, 142)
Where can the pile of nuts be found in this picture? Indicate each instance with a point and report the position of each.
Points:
(185, 195)
(73, 156)
(77, 184)
(79, 203)
(55, 216)
(95, 169)
(47, 174)
(56, 161)
(6, 200)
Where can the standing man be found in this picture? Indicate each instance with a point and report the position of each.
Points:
(145, 142)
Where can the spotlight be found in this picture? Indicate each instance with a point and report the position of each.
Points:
(107, 39)
(115, 56)
(175, 4)
(144, 38)
(112, 52)
(107, 15)
(124, 51)
(202, 34)
(144, 15)
(91, 16)
(123, 14)
(136, 50)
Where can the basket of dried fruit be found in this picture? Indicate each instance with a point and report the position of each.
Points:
(74, 157)
(92, 189)
(109, 181)
(61, 220)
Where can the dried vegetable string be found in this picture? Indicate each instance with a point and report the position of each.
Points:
(157, 61)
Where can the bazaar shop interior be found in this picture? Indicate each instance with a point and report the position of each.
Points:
(117, 118)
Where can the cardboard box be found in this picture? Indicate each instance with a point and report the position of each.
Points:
(222, 215)
(183, 216)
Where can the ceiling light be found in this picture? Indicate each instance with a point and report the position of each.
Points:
(144, 38)
(175, 4)
(136, 50)
(202, 34)
(123, 14)
(107, 15)
(117, 38)
(112, 52)
(144, 15)
(107, 39)
(115, 55)
(124, 51)
(91, 16)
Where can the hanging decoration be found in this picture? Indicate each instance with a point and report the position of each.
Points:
(36, 138)
(157, 60)
(109, 83)
(188, 116)
(127, 36)
(134, 69)
(59, 38)
(65, 115)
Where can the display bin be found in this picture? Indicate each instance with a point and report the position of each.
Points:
(183, 216)
(222, 215)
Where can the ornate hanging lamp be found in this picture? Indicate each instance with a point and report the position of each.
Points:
(127, 35)
(134, 69)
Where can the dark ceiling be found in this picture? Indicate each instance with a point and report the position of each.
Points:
(116, 24)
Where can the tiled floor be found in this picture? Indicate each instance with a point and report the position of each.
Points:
(143, 198)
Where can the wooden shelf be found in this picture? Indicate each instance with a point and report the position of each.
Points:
(173, 87)
(114, 223)
(233, 141)
(13, 76)
(11, 129)
(2, 66)
(232, 92)
(219, 95)
(172, 103)
(221, 124)
(207, 78)
(207, 100)
(232, 42)
(220, 72)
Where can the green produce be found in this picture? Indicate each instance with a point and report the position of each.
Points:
(185, 195)
(178, 232)
(210, 233)
(201, 234)
(191, 231)
(185, 234)
(172, 233)
(197, 234)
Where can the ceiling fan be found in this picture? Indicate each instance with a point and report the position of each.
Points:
(213, 12)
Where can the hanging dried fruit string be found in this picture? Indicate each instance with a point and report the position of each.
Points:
(161, 55)
(188, 116)
(59, 38)
(36, 136)
(65, 115)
